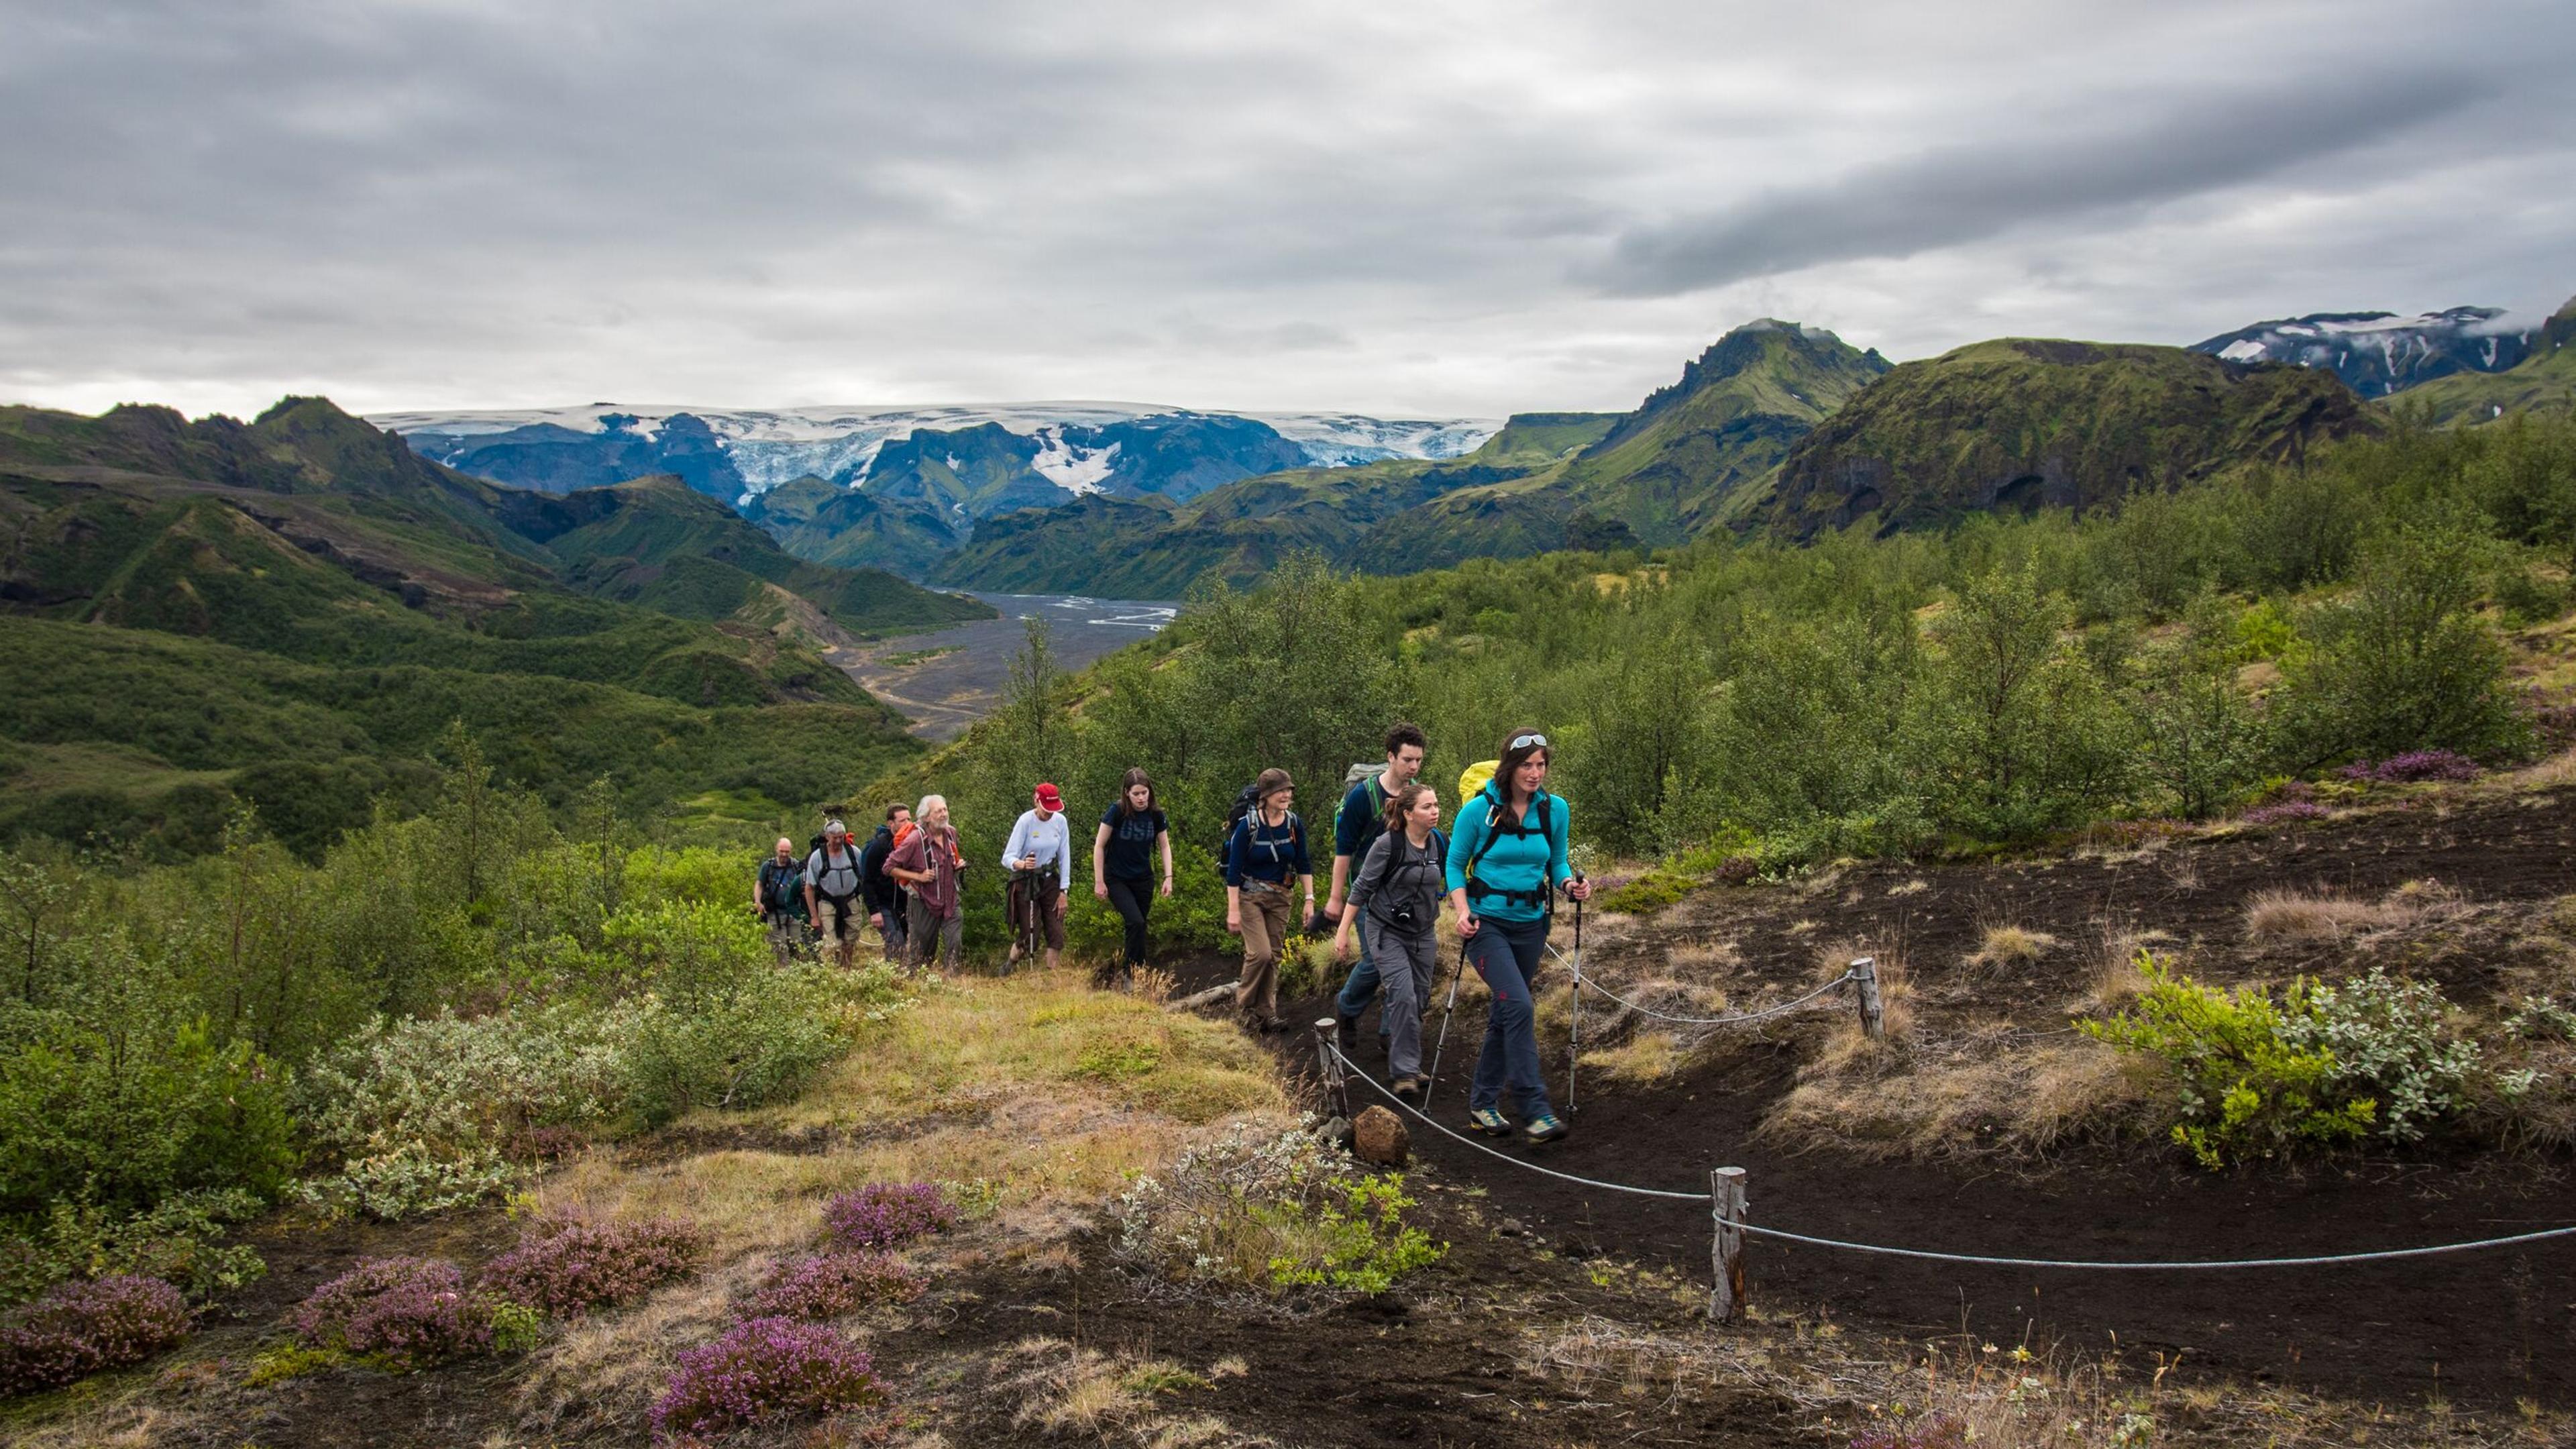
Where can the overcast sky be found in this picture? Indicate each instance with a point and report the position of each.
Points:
(1411, 208)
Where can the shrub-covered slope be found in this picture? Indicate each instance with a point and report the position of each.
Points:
(314, 603)
(2022, 423)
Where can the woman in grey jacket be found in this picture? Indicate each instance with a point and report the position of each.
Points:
(1395, 897)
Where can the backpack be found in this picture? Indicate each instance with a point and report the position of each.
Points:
(1244, 800)
(858, 881)
(782, 891)
(1376, 796)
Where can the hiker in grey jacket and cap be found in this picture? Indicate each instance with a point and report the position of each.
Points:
(1395, 897)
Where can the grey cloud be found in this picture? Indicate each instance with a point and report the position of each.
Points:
(1317, 204)
(2059, 167)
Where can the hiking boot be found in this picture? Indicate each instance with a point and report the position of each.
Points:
(1276, 1023)
(1346, 1036)
(1489, 1121)
(1408, 1089)
(1546, 1129)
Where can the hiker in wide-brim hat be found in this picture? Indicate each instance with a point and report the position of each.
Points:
(1265, 858)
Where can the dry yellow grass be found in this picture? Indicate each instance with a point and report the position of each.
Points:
(1649, 1056)
(2304, 917)
(2009, 946)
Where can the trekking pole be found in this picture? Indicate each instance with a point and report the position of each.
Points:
(1574, 1043)
(1432, 1083)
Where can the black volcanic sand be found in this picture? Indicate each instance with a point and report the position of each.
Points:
(2484, 1327)
(945, 695)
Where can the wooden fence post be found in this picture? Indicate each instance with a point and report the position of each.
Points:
(1336, 1091)
(1873, 1012)
(1726, 1250)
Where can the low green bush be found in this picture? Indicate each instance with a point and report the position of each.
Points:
(2323, 1065)
(179, 1240)
(756, 1039)
(2245, 1089)
(1271, 1213)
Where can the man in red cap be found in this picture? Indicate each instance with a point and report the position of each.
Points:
(1040, 860)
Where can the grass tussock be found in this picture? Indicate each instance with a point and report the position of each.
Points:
(2008, 947)
(2116, 978)
(1646, 1058)
(1068, 1390)
(1999, 1091)
(2291, 917)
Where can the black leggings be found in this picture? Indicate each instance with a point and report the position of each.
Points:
(1132, 899)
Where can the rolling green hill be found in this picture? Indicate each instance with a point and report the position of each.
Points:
(2019, 424)
(304, 604)
(830, 523)
(2544, 380)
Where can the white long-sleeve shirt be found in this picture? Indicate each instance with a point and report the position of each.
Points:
(1049, 840)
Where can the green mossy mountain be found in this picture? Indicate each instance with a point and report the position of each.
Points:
(1683, 461)
(2020, 424)
(2544, 380)
(311, 602)
(832, 523)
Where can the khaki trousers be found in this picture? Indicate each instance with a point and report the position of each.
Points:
(1265, 931)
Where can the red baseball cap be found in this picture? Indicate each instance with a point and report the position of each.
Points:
(1048, 799)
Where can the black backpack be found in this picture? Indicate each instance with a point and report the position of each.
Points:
(1244, 800)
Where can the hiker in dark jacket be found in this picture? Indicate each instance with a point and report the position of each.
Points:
(1357, 826)
(832, 894)
(778, 897)
(1264, 856)
(1122, 866)
(1506, 863)
(885, 895)
(1395, 899)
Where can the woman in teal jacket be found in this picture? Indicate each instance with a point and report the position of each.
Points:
(1506, 863)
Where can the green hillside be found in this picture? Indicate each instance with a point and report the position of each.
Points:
(286, 613)
(828, 523)
(2545, 380)
(1679, 463)
(2020, 424)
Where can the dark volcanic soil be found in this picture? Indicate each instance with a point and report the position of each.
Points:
(2483, 1327)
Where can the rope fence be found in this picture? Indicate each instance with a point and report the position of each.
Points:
(1726, 1201)
(1730, 1019)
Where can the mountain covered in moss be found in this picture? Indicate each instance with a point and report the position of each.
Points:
(2021, 424)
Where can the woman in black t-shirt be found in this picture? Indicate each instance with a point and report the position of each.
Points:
(1122, 865)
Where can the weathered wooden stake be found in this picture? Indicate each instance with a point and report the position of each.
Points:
(1726, 1250)
(1336, 1089)
(1873, 1012)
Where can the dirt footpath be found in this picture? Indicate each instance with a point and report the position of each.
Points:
(2488, 1327)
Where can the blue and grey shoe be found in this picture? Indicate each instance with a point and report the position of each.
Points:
(1489, 1121)
(1546, 1128)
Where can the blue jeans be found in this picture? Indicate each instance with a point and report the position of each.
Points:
(1507, 954)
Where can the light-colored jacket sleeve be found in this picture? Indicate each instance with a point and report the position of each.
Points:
(1019, 842)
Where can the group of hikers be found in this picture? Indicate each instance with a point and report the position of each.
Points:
(904, 881)
(1500, 869)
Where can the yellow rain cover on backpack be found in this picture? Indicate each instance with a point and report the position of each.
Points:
(1474, 778)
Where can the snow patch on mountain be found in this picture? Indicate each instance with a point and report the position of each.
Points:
(1076, 469)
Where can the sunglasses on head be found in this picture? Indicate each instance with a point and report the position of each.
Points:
(1527, 740)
